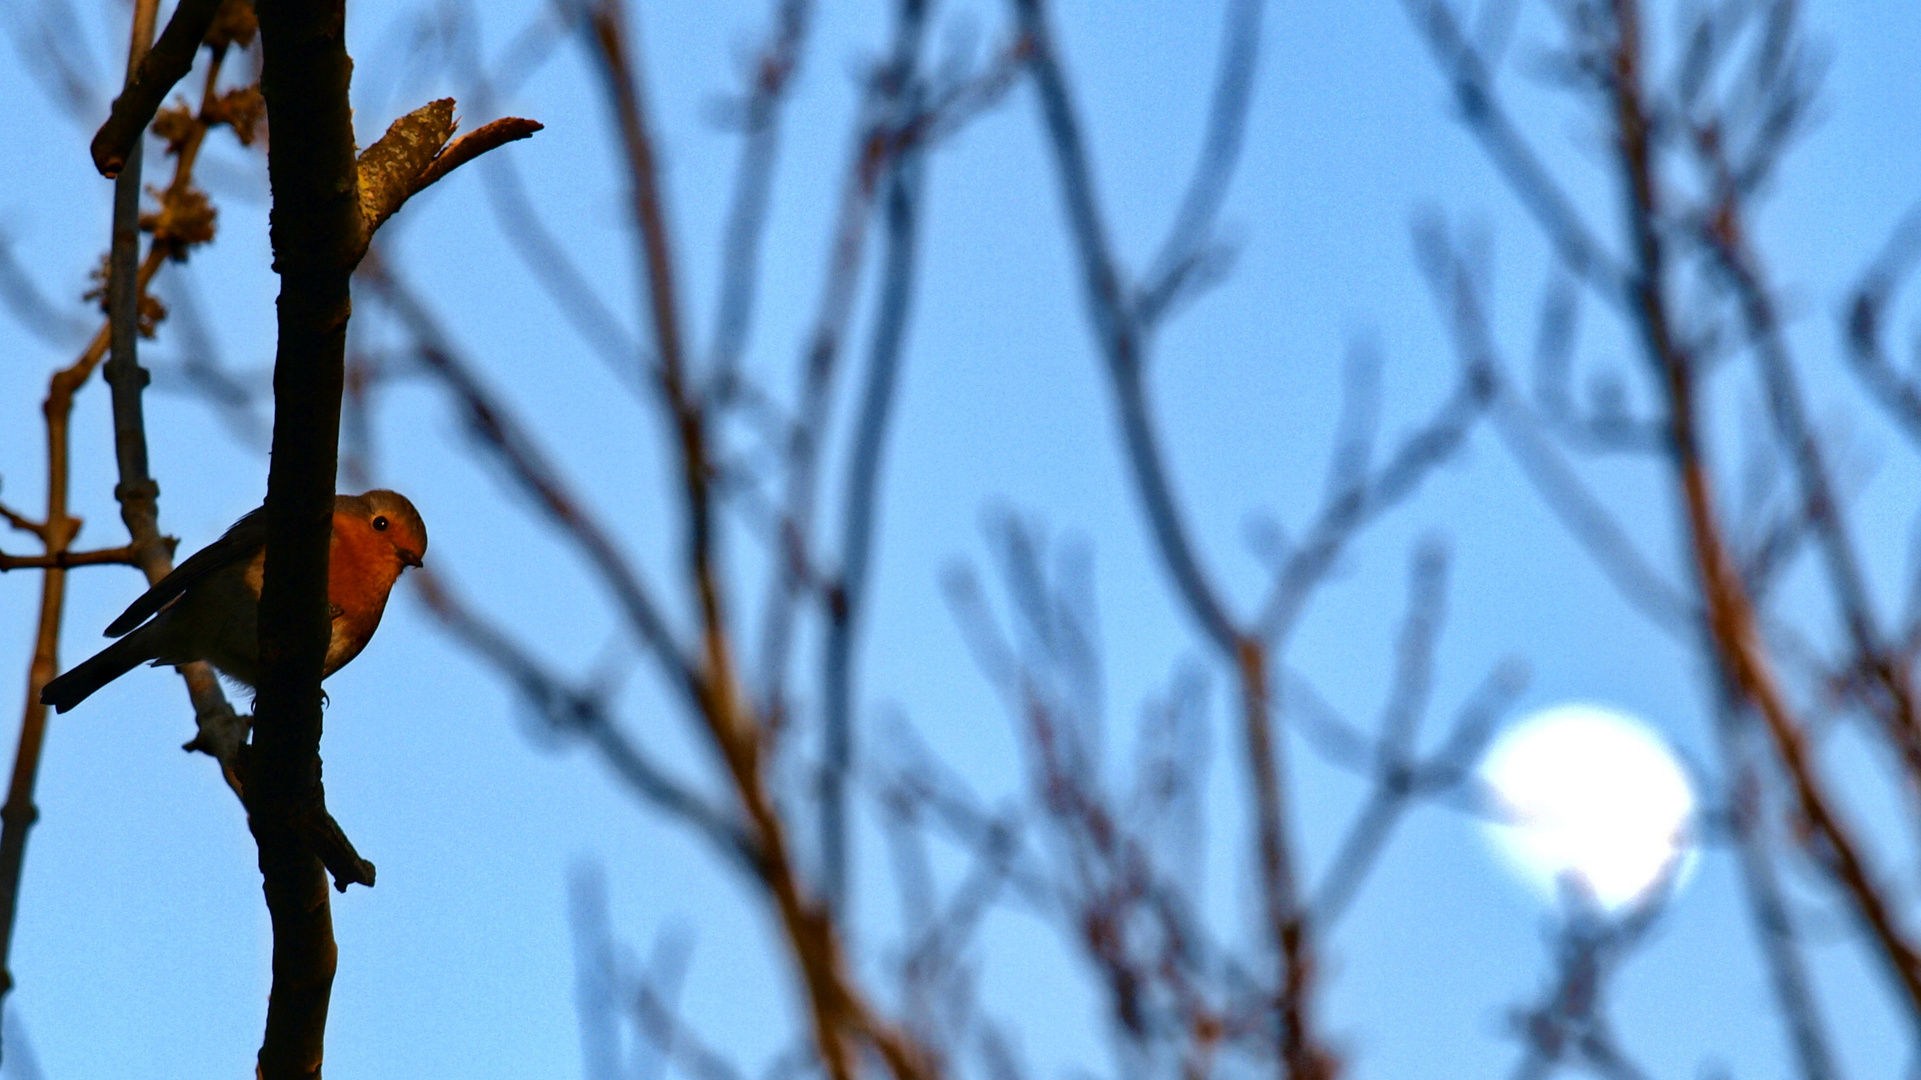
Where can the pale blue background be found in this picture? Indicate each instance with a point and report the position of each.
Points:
(142, 942)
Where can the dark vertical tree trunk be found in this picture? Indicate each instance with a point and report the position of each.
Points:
(318, 235)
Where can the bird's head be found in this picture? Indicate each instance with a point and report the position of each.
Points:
(390, 516)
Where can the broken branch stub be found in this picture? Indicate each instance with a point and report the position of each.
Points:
(415, 152)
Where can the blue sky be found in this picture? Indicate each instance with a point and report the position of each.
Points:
(142, 942)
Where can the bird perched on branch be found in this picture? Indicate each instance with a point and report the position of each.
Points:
(208, 608)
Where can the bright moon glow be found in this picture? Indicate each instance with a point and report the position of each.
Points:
(1592, 792)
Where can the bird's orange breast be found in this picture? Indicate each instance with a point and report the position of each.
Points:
(361, 569)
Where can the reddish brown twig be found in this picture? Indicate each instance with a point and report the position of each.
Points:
(56, 531)
(129, 278)
(1885, 677)
(842, 1019)
(415, 152)
(1733, 630)
(1661, 233)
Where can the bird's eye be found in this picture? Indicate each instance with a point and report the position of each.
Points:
(380, 524)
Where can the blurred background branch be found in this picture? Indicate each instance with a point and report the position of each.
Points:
(715, 450)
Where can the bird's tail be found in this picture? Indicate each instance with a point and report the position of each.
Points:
(80, 681)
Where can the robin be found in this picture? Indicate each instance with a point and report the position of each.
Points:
(208, 608)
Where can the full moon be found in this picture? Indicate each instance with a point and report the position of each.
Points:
(1588, 792)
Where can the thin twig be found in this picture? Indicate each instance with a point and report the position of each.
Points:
(1558, 484)
(1191, 232)
(120, 556)
(56, 532)
(847, 599)
(772, 73)
(1406, 705)
(1118, 335)
(566, 285)
(1570, 1025)
(585, 715)
(1793, 991)
(528, 467)
(519, 220)
(1823, 510)
(1120, 338)
(1520, 166)
(1349, 510)
(874, 145)
(596, 974)
(1738, 646)
(1398, 781)
(1898, 394)
(489, 136)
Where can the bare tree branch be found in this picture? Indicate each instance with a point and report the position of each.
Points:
(584, 714)
(1570, 1025)
(1823, 510)
(1520, 166)
(1366, 498)
(56, 531)
(154, 74)
(847, 600)
(771, 75)
(1731, 623)
(1793, 990)
(527, 466)
(1120, 337)
(1181, 254)
(1560, 487)
(1117, 333)
(318, 235)
(1899, 395)
(63, 560)
(875, 142)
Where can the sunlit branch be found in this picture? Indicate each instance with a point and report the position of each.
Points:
(120, 556)
(56, 532)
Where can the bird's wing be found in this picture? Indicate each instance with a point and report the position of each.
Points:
(238, 543)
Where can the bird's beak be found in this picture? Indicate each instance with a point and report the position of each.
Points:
(408, 558)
